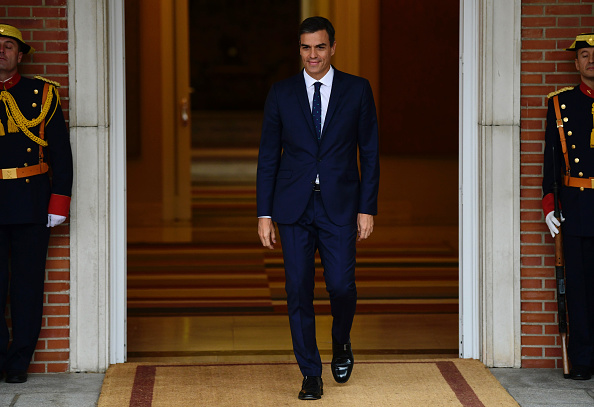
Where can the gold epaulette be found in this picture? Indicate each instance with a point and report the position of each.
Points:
(550, 95)
(56, 84)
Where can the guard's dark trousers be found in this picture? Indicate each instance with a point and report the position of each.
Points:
(23, 251)
(579, 275)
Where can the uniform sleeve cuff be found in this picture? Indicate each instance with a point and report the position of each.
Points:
(59, 205)
(548, 204)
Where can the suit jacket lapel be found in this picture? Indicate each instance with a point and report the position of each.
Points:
(301, 93)
(335, 95)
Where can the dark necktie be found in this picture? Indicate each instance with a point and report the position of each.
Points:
(316, 109)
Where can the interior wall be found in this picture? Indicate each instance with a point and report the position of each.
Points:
(419, 77)
(158, 163)
(144, 109)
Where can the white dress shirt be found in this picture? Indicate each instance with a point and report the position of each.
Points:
(325, 90)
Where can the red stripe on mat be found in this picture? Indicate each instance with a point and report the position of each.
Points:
(144, 381)
(142, 390)
(459, 385)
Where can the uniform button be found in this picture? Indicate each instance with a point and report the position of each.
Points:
(26, 165)
(27, 180)
(29, 150)
(34, 105)
(565, 119)
(581, 174)
(577, 160)
(569, 133)
(563, 106)
(573, 146)
(36, 92)
(581, 188)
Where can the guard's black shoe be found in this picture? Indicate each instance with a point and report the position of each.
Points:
(16, 376)
(312, 388)
(579, 372)
(342, 361)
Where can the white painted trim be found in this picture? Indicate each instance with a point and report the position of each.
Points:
(89, 252)
(469, 229)
(117, 185)
(499, 135)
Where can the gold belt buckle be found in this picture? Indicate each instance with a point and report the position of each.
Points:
(9, 173)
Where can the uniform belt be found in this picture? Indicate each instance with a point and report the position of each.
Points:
(578, 182)
(13, 173)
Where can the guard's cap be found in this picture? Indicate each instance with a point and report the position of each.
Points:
(582, 41)
(14, 33)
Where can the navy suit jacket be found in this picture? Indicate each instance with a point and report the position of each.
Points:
(291, 156)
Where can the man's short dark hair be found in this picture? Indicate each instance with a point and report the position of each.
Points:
(315, 24)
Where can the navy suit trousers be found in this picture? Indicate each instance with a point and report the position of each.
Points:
(337, 247)
(23, 251)
(579, 272)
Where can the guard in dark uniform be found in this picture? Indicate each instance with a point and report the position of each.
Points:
(35, 189)
(569, 156)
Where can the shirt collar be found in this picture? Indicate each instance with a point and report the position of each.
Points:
(586, 90)
(9, 83)
(326, 80)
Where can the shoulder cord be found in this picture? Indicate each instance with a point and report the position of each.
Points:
(13, 112)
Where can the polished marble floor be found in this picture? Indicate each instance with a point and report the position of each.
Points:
(267, 338)
(418, 207)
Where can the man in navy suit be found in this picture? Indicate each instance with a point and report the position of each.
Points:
(309, 184)
(33, 139)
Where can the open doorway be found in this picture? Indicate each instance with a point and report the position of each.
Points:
(203, 286)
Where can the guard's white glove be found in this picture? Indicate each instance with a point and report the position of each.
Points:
(54, 220)
(553, 222)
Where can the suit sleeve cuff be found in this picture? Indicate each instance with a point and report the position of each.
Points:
(59, 205)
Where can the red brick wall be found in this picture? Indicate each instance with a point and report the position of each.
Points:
(548, 26)
(44, 25)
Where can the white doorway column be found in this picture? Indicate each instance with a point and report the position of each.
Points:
(489, 181)
(97, 229)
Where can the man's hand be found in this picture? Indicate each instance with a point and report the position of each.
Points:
(364, 226)
(553, 222)
(54, 220)
(266, 232)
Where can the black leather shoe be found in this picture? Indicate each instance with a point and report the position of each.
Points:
(342, 361)
(16, 376)
(579, 372)
(312, 388)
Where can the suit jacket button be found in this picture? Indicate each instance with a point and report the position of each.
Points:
(581, 188)
(577, 160)
(25, 165)
(569, 133)
(29, 150)
(581, 174)
(27, 180)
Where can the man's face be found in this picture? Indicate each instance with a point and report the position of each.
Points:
(584, 63)
(316, 53)
(9, 56)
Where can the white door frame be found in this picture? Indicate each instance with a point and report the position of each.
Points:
(117, 192)
(490, 46)
(489, 143)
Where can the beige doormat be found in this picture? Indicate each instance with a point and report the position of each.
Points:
(444, 382)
